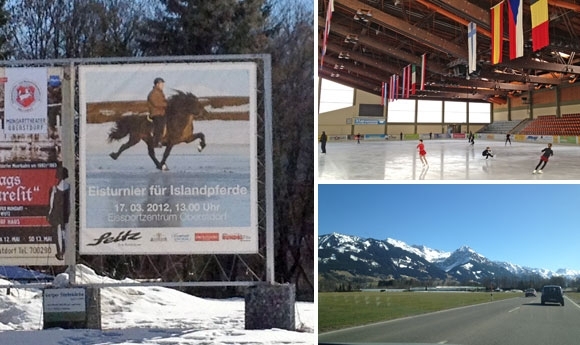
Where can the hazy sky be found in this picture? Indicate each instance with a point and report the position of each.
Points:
(528, 225)
(134, 81)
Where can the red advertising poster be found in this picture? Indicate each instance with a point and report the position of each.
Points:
(30, 147)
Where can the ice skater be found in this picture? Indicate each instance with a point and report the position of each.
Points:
(323, 139)
(422, 152)
(507, 139)
(547, 152)
(487, 153)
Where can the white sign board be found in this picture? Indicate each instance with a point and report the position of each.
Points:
(64, 300)
(25, 101)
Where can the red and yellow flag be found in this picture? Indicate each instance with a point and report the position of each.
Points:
(496, 33)
(540, 21)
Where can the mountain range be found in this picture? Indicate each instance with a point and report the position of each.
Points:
(394, 259)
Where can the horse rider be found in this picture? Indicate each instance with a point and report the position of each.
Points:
(157, 104)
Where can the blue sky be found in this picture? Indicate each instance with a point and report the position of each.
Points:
(528, 225)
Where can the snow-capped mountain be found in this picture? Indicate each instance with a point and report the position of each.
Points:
(395, 259)
(371, 257)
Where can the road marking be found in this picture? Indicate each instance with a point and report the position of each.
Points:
(570, 300)
(516, 308)
(442, 342)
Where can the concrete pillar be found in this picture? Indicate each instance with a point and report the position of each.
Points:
(93, 298)
(270, 306)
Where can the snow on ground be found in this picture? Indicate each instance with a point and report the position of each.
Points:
(146, 315)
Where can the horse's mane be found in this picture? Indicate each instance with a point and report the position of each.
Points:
(180, 107)
(182, 95)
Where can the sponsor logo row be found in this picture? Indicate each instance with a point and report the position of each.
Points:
(130, 236)
(201, 237)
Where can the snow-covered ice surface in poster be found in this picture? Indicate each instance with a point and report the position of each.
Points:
(206, 201)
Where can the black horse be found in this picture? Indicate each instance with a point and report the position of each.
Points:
(180, 112)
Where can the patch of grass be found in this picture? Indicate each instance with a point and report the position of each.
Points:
(574, 296)
(338, 310)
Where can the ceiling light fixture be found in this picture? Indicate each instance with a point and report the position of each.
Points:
(351, 39)
(362, 15)
(344, 55)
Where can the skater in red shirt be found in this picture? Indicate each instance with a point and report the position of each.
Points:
(422, 152)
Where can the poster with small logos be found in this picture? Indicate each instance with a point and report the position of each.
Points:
(191, 190)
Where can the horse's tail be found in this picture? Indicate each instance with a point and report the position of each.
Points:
(121, 129)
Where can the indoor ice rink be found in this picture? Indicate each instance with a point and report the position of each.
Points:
(441, 70)
(448, 159)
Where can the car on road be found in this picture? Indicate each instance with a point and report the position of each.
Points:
(531, 292)
(552, 293)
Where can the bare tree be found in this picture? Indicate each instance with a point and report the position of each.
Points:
(292, 49)
(48, 29)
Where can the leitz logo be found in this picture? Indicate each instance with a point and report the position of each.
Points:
(121, 238)
(207, 236)
(235, 237)
(25, 95)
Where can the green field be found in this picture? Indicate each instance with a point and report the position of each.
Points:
(338, 310)
(574, 296)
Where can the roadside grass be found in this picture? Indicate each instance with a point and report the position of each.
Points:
(337, 310)
(574, 296)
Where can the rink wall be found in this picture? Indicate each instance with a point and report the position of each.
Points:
(555, 139)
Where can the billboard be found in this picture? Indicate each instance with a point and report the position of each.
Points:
(195, 194)
(32, 216)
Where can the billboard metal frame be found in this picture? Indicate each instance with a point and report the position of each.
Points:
(265, 151)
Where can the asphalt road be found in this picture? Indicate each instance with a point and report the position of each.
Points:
(513, 321)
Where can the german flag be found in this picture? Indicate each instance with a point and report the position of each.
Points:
(540, 21)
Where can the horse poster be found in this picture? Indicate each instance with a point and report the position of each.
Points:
(191, 191)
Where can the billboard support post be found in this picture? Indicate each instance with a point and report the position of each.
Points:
(269, 170)
(68, 123)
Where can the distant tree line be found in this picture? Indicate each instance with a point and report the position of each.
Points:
(54, 29)
(327, 283)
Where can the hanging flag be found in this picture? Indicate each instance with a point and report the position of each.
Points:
(472, 46)
(392, 88)
(496, 33)
(540, 22)
(396, 81)
(330, 9)
(516, 28)
(408, 81)
(423, 70)
(404, 83)
(383, 93)
(413, 80)
(385, 97)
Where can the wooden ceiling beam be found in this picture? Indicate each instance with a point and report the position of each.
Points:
(343, 31)
(347, 80)
(356, 56)
(408, 30)
(526, 63)
(455, 17)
